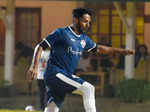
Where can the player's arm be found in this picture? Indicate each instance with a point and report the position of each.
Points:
(43, 45)
(32, 72)
(101, 49)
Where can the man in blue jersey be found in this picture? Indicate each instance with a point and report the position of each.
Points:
(67, 45)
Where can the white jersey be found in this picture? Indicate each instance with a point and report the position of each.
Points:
(42, 62)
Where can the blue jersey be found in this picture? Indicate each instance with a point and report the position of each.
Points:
(66, 49)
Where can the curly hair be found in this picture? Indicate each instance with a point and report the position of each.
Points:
(79, 12)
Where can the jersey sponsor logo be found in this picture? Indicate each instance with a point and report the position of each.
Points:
(83, 43)
(74, 52)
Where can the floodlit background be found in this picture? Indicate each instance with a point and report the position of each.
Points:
(122, 83)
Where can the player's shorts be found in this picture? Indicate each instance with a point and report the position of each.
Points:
(60, 85)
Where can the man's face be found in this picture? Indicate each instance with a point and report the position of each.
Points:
(84, 23)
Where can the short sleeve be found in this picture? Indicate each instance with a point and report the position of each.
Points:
(90, 44)
(50, 40)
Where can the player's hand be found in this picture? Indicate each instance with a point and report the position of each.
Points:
(31, 74)
(128, 52)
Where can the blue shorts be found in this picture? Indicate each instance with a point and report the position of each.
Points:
(60, 85)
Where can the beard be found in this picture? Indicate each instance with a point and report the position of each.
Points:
(79, 28)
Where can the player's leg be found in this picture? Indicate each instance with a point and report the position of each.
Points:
(88, 95)
(88, 90)
(55, 94)
(52, 103)
(42, 91)
(51, 107)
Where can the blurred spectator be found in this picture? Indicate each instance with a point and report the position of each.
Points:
(141, 54)
(142, 63)
(136, 44)
(84, 63)
(107, 65)
(121, 62)
(106, 62)
(94, 62)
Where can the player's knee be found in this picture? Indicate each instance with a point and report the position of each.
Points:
(88, 88)
(92, 87)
